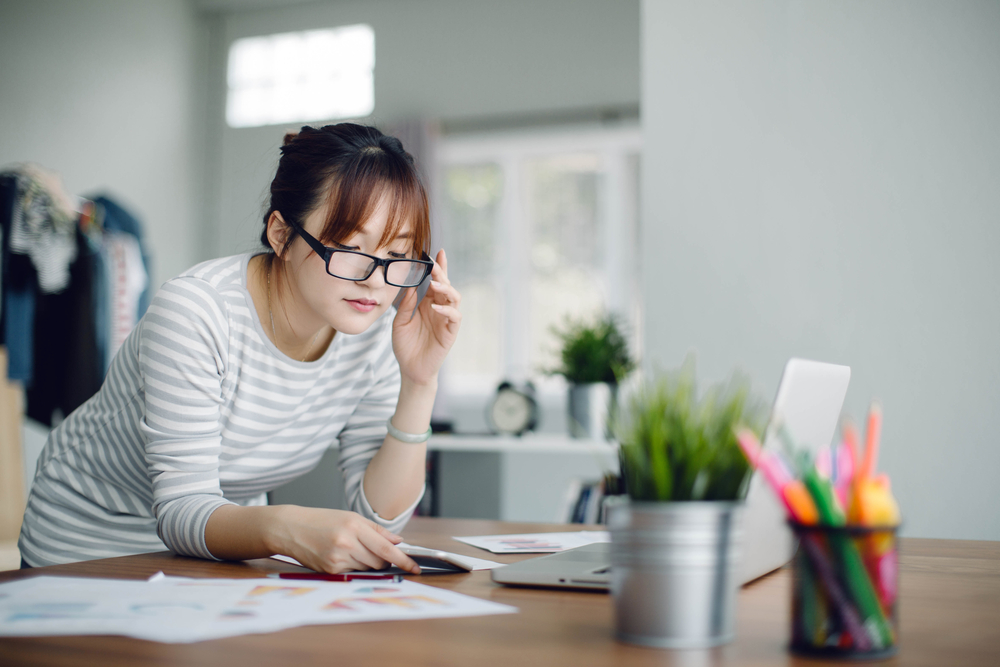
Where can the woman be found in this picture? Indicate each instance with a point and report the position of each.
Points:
(245, 369)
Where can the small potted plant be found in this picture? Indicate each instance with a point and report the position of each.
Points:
(594, 359)
(676, 535)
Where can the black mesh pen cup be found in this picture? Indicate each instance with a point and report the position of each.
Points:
(845, 591)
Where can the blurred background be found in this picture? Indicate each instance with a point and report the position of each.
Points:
(748, 181)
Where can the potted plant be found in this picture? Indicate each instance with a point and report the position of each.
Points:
(676, 535)
(594, 359)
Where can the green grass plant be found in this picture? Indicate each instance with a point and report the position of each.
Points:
(593, 352)
(676, 446)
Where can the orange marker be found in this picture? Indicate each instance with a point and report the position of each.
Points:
(791, 492)
(800, 502)
(872, 436)
(851, 440)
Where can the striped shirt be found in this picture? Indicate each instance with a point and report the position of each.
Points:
(199, 410)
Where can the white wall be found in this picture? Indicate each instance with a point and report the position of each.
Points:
(104, 92)
(435, 59)
(820, 180)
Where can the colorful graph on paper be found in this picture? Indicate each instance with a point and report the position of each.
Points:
(179, 610)
(356, 604)
(535, 543)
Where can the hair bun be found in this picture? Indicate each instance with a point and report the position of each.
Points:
(289, 138)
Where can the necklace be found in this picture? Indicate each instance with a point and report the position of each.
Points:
(271, 315)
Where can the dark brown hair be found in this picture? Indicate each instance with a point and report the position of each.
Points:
(352, 167)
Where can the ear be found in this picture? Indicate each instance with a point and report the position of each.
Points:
(277, 233)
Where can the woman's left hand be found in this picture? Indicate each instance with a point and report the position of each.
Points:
(422, 342)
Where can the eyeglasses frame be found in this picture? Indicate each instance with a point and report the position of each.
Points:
(326, 252)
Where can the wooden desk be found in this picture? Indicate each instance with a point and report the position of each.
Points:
(949, 615)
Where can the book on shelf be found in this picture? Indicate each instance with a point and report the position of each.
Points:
(584, 501)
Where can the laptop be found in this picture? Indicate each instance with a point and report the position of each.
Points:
(809, 400)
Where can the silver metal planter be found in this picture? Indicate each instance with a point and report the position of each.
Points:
(589, 407)
(674, 572)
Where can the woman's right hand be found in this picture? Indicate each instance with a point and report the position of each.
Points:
(335, 541)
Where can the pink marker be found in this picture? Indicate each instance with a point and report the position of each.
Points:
(750, 445)
(845, 474)
(824, 462)
(769, 465)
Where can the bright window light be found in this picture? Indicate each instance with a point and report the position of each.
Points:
(301, 76)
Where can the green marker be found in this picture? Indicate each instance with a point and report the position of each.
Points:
(827, 505)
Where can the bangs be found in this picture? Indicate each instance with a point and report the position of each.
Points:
(373, 178)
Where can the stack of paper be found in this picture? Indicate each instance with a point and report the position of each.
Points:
(179, 610)
(536, 543)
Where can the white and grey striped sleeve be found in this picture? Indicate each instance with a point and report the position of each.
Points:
(364, 433)
(182, 358)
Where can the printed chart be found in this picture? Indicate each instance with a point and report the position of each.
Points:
(179, 610)
(536, 543)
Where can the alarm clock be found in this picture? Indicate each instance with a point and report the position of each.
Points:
(514, 409)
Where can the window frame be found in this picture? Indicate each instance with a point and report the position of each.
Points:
(618, 202)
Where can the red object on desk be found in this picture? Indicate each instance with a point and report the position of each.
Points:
(321, 576)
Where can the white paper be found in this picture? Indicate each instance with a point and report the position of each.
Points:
(476, 563)
(181, 610)
(287, 559)
(536, 543)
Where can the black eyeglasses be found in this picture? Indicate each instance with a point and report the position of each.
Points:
(357, 266)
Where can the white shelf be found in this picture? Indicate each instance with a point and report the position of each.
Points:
(528, 444)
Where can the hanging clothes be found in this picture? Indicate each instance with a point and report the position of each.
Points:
(119, 301)
(67, 370)
(43, 228)
(115, 218)
(73, 284)
(127, 282)
(39, 244)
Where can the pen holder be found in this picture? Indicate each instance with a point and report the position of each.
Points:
(844, 592)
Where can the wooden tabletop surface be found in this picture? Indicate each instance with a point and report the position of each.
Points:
(949, 615)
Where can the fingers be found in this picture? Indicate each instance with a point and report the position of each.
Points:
(345, 559)
(445, 294)
(407, 305)
(386, 533)
(382, 548)
(371, 547)
(367, 558)
(333, 566)
(440, 270)
(451, 313)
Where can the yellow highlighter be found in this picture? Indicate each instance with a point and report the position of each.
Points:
(873, 503)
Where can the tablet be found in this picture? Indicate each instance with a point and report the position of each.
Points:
(433, 558)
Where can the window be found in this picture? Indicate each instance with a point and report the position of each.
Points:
(538, 227)
(301, 76)
(567, 274)
(473, 194)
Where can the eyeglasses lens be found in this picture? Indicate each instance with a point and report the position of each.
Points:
(352, 266)
(405, 274)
